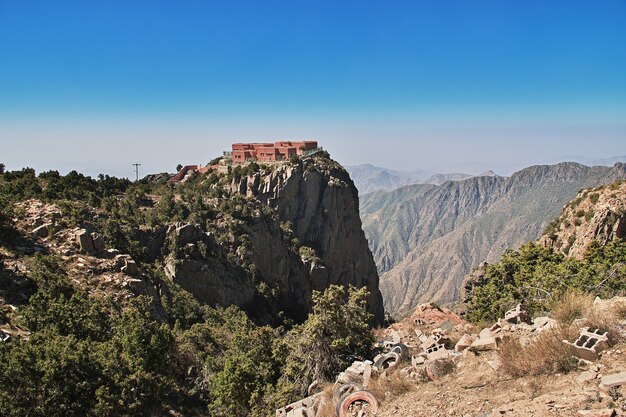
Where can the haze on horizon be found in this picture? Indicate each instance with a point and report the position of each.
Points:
(454, 86)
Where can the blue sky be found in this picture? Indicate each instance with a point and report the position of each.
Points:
(96, 86)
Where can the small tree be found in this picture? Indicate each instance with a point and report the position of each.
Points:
(2, 168)
(338, 327)
(179, 167)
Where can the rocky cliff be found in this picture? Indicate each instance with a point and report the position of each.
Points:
(425, 238)
(597, 214)
(319, 200)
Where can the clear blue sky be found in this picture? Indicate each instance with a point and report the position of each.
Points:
(97, 85)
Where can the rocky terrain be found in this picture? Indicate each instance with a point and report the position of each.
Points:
(426, 238)
(435, 364)
(275, 236)
(594, 215)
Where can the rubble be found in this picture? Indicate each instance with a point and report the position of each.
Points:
(614, 380)
(484, 344)
(597, 413)
(306, 407)
(517, 316)
(463, 343)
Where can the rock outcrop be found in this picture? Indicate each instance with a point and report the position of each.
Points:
(594, 215)
(321, 202)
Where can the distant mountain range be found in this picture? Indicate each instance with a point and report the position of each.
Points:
(426, 237)
(369, 178)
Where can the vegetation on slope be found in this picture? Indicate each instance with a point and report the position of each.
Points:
(536, 276)
(92, 355)
(89, 356)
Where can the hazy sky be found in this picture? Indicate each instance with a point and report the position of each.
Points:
(442, 85)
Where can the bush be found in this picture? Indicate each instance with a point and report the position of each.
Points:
(571, 306)
(536, 276)
(337, 328)
(546, 354)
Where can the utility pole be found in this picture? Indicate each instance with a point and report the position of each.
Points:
(136, 172)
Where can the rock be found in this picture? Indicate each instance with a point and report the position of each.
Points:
(475, 279)
(446, 326)
(41, 231)
(321, 201)
(417, 360)
(614, 380)
(137, 286)
(517, 315)
(463, 343)
(486, 344)
(98, 242)
(597, 413)
(84, 241)
(130, 268)
(543, 323)
(439, 368)
(586, 376)
(126, 265)
(185, 233)
(484, 334)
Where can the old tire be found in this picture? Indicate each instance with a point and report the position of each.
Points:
(388, 361)
(362, 397)
(402, 350)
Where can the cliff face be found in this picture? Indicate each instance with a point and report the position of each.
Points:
(426, 238)
(594, 215)
(321, 202)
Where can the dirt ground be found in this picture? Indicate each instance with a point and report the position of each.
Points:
(477, 390)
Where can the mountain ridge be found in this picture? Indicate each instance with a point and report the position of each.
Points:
(426, 238)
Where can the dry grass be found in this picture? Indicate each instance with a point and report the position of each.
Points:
(327, 406)
(546, 354)
(608, 321)
(571, 306)
(389, 386)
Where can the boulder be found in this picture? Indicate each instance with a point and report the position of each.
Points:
(439, 368)
(98, 242)
(463, 343)
(185, 233)
(543, 323)
(126, 265)
(41, 231)
(84, 241)
(486, 344)
(614, 380)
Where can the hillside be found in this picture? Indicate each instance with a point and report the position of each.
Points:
(594, 215)
(121, 298)
(425, 238)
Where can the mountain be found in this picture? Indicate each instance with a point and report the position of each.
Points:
(425, 238)
(262, 238)
(438, 179)
(595, 215)
(369, 178)
(152, 298)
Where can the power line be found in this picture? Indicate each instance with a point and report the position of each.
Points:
(136, 172)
